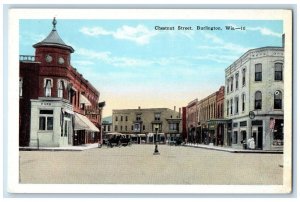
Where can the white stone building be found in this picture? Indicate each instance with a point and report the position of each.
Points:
(254, 86)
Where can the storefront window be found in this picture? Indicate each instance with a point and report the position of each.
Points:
(278, 132)
(46, 120)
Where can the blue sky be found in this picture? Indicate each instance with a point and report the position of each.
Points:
(132, 64)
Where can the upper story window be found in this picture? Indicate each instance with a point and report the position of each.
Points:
(258, 72)
(227, 111)
(228, 81)
(278, 71)
(60, 89)
(157, 116)
(231, 84)
(126, 118)
(243, 102)
(121, 118)
(47, 86)
(277, 100)
(174, 126)
(231, 103)
(116, 128)
(116, 118)
(236, 81)
(244, 77)
(258, 100)
(138, 117)
(236, 105)
(20, 86)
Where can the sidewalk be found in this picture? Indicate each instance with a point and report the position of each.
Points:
(232, 150)
(67, 148)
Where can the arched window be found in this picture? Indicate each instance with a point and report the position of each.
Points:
(48, 85)
(277, 100)
(60, 89)
(258, 99)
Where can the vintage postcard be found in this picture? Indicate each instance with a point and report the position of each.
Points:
(150, 101)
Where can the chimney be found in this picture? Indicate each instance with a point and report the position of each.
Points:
(139, 107)
(174, 108)
(179, 112)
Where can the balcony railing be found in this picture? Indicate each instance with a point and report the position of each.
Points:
(29, 58)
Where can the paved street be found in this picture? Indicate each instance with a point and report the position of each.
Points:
(138, 165)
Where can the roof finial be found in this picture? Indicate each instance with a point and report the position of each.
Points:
(54, 24)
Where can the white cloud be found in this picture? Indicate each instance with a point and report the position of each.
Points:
(139, 34)
(222, 45)
(265, 31)
(28, 38)
(83, 62)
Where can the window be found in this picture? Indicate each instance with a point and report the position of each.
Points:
(125, 128)
(157, 116)
(174, 126)
(243, 102)
(116, 128)
(228, 81)
(137, 127)
(278, 71)
(60, 89)
(143, 127)
(236, 105)
(126, 118)
(258, 72)
(231, 102)
(244, 77)
(121, 118)
(46, 120)
(116, 118)
(20, 87)
(227, 107)
(121, 128)
(132, 127)
(237, 81)
(277, 100)
(48, 85)
(108, 128)
(138, 117)
(231, 84)
(258, 99)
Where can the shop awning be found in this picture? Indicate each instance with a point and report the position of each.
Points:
(84, 100)
(83, 123)
(218, 121)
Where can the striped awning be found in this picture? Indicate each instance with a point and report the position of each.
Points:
(83, 123)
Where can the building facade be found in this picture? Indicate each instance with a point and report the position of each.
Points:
(191, 120)
(143, 124)
(58, 106)
(209, 118)
(254, 99)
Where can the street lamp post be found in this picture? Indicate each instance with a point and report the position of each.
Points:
(156, 152)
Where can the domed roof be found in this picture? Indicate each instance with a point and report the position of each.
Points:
(53, 39)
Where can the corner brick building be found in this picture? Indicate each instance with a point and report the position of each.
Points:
(58, 106)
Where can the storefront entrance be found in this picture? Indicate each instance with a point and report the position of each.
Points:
(66, 136)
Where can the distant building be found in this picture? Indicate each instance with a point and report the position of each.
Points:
(191, 120)
(254, 99)
(210, 118)
(107, 125)
(143, 124)
(58, 106)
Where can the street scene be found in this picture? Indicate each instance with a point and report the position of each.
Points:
(136, 164)
(152, 102)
